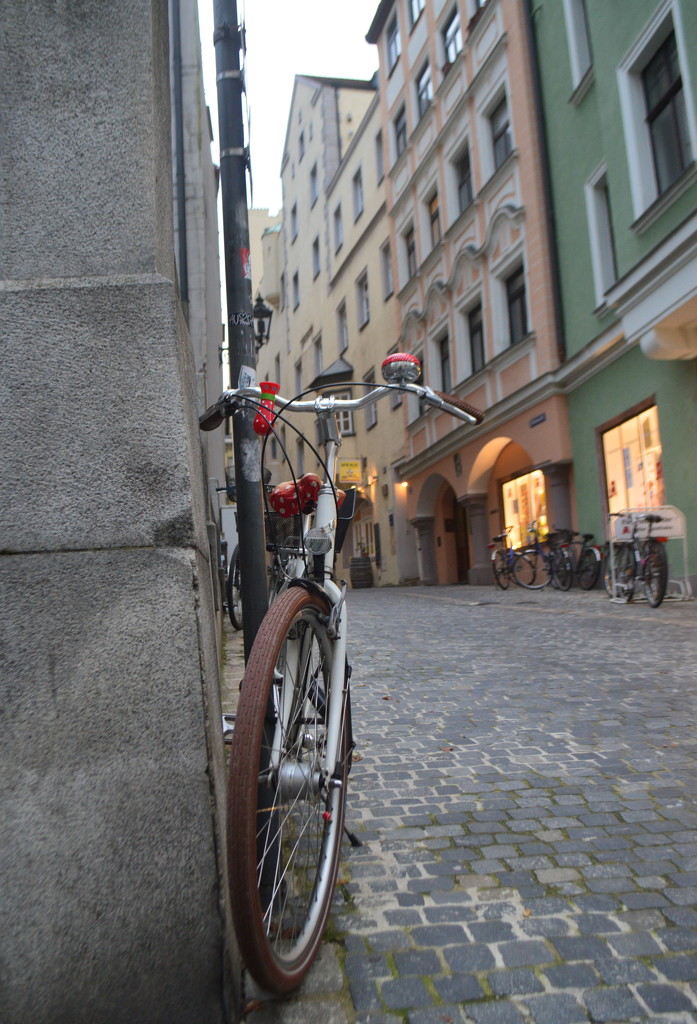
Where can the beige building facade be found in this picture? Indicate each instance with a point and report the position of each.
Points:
(328, 274)
(473, 280)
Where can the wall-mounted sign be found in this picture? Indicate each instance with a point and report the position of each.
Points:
(350, 471)
(536, 420)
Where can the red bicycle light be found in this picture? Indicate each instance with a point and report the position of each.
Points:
(401, 368)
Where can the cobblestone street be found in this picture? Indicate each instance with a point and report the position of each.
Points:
(526, 795)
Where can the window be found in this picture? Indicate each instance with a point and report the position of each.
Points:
(294, 222)
(475, 328)
(283, 291)
(665, 114)
(452, 37)
(296, 290)
(301, 146)
(363, 299)
(371, 411)
(424, 91)
(500, 133)
(386, 265)
(338, 229)
(379, 158)
(446, 381)
(410, 246)
(315, 258)
(633, 459)
(578, 40)
(465, 191)
(400, 131)
(344, 417)
(517, 310)
(314, 185)
(298, 377)
(434, 220)
(318, 361)
(393, 44)
(342, 328)
(357, 194)
(299, 464)
(659, 129)
(277, 368)
(600, 234)
(525, 500)
(415, 9)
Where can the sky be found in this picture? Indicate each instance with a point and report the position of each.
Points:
(285, 38)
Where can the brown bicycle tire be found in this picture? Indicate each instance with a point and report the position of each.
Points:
(272, 970)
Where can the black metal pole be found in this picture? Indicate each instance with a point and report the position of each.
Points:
(238, 289)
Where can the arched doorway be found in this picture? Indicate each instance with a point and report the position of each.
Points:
(452, 545)
(443, 535)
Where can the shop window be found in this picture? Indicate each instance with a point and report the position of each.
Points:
(633, 463)
(525, 502)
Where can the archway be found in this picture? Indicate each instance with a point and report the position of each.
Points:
(443, 536)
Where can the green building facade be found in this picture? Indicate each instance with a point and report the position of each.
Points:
(618, 100)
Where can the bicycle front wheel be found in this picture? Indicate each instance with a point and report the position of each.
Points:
(625, 571)
(655, 572)
(233, 593)
(529, 570)
(498, 564)
(285, 801)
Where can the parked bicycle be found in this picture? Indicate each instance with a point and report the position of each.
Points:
(292, 741)
(585, 558)
(503, 559)
(232, 590)
(546, 562)
(642, 560)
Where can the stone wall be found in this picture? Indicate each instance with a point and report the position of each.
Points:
(112, 764)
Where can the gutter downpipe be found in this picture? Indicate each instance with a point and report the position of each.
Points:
(179, 149)
(546, 184)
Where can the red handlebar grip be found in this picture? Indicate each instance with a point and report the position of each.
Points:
(471, 410)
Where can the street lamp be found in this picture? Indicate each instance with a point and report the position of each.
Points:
(262, 321)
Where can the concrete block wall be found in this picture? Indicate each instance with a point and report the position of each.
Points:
(111, 776)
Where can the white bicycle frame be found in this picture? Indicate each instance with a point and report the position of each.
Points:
(324, 519)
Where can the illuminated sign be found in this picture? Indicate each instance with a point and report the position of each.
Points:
(350, 471)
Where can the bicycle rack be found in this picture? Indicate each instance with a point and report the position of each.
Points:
(673, 527)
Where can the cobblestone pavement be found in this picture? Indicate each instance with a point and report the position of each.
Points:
(526, 795)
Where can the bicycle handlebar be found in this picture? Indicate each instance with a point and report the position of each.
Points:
(233, 398)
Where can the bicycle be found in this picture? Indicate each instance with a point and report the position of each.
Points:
(585, 558)
(640, 560)
(545, 562)
(503, 559)
(232, 590)
(292, 742)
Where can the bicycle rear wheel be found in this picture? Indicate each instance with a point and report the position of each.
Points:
(498, 564)
(588, 569)
(232, 590)
(655, 572)
(561, 569)
(285, 802)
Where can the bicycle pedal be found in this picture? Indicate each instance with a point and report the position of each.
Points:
(228, 726)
